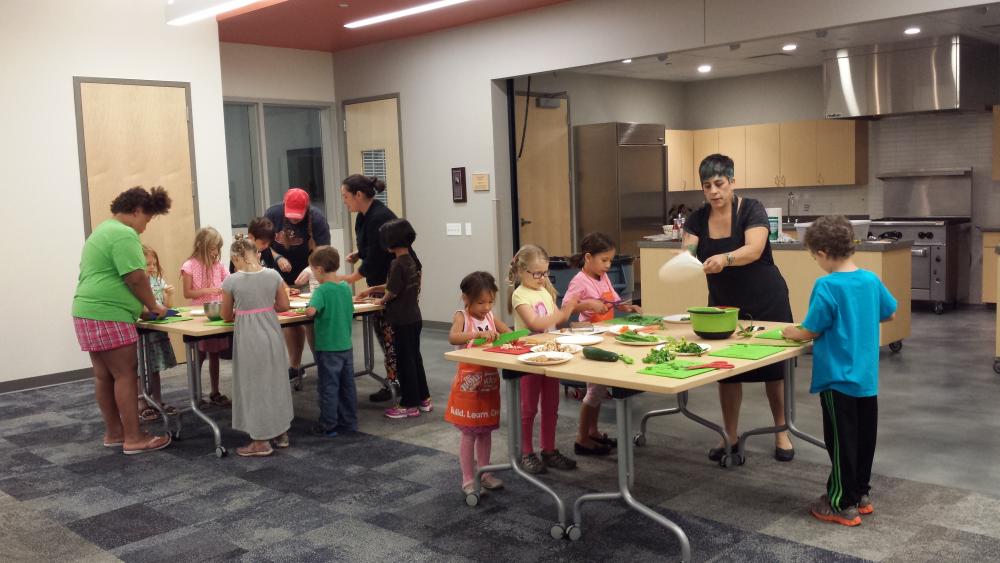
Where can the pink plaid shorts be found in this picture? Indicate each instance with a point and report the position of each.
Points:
(101, 336)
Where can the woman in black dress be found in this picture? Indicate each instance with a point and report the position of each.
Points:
(729, 234)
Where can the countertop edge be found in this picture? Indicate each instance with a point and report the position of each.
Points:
(783, 246)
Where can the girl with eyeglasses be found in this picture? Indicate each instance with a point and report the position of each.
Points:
(534, 306)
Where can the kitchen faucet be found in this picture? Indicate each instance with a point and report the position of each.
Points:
(791, 198)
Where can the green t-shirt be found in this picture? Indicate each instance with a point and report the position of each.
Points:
(334, 306)
(111, 251)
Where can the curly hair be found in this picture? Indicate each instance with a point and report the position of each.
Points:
(833, 235)
(325, 257)
(152, 202)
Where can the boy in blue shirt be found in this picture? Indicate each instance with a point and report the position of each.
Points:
(332, 308)
(845, 310)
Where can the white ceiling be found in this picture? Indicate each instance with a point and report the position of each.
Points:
(765, 55)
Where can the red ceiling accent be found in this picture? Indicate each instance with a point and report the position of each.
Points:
(318, 25)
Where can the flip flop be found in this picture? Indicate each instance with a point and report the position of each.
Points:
(149, 414)
(245, 451)
(116, 444)
(151, 445)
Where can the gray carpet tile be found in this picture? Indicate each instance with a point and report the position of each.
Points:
(123, 526)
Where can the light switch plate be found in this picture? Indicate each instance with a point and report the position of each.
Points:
(453, 229)
(468, 229)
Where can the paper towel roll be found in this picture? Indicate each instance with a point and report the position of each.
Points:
(681, 268)
(774, 221)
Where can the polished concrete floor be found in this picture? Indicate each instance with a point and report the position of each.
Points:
(391, 491)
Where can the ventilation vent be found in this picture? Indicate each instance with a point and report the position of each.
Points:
(373, 164)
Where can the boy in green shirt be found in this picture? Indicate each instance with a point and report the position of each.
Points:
(332, 309)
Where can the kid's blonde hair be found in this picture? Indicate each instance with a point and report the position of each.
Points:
(207, 240)
(519, 263)
(148, 250)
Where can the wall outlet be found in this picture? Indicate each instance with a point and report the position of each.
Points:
(805, 207)
(468, 229)
(453, 229)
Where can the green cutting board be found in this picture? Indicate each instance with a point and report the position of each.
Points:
(644, 320)
(676, 369)
(504, 338)
(775, 334)
(746, 351)
(169, 320)
(218, 323)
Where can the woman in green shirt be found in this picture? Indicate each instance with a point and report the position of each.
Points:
(110, 294)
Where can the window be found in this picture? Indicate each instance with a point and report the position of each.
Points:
(294, 142)
(373, 164)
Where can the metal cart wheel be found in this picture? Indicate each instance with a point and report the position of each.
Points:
(574, 532)
(221, 452)
(938, 308)
(557, 531)
(996, 365)
(724, 461)
(896, 346)
(472, 499)
(297, 383)
(639, 440)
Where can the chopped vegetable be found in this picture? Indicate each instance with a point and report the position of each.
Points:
(661, 356)
(632, 336)
(746, 331)
(628, 361)
(682, 346)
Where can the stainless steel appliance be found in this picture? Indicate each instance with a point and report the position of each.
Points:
(921, 75)
(621, 182)
(932, 208)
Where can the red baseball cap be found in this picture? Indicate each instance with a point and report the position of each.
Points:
(296, 203)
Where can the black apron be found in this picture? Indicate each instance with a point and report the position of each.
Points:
(756, 288)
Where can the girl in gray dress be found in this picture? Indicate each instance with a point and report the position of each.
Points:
(262, 399)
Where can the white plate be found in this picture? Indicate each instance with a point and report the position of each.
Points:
(298, 304)
(197, 312)
(580, 339)
(630, 343)
(704, 348)
(682, 319)
(571, 348)
(561, 358)
(598, 329)
(304, 295)
(618, 329)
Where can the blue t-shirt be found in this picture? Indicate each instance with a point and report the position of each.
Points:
(845, 309)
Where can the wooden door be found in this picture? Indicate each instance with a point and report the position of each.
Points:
(798, 153)
(705, 142)
(138, 135)
(543, 189)
(733, 143)
(373, 127)
(679, 157)
(835, 151)
(763, 156)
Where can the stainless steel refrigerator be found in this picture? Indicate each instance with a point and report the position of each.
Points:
(621, 182)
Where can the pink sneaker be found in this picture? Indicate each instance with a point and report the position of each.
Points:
(426, 405)
(402, 412)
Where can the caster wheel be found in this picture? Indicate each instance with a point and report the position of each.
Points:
(574, 532)
(724, 461)
(739, 459)
(297, 384)
(472, 499)
(220, 452)
(639, 440)
(938, 308)
(557, 531)
(896, 346)
(996, 366)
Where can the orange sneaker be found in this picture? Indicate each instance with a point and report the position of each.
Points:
(865, 505)
(822, 510)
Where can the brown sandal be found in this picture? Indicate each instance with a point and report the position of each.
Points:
(250, 451)
(149, 414)
(219, 400)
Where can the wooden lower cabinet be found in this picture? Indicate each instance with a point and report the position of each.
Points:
(990, 242)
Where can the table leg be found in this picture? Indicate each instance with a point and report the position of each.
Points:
(626, 477)
(144, 384)
(789, 424)
(512, 388)
(681, 408)
(368, 340)
(194, 394)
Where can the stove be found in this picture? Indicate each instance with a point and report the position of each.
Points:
(940, 255)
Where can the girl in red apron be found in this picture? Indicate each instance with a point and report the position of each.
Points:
(474, 402)
(597, 301)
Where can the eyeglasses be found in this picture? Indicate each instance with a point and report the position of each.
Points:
(537, 275)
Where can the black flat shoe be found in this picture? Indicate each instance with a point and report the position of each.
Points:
(380, 396)
(604, 439)
(715, 454)
(584, 450)
(782, 454)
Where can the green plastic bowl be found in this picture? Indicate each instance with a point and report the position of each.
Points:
(714, 323)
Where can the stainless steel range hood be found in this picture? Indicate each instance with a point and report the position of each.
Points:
(934, 74)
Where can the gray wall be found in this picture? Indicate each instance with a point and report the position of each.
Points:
(595, 98)
(760, 98)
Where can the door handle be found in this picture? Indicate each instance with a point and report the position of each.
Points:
(525, 222)
(919, 252)
(776, 182)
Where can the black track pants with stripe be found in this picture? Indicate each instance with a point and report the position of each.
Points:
(850, 425)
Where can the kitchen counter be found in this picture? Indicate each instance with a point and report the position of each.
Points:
(867, 246)
(989, 229)
(788, 223)
(890, 261)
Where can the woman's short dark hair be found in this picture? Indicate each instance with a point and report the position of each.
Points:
(325, 257)
(368, 185)
(474, 284)
(833, 235)
(261, 228)
(399, 233)
(152, 202)
(593, 244)
(716, 165)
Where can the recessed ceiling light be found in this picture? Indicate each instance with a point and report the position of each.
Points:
(705, 68)
(403, 13)
(912, 30)
(345, 5)
(626, 61)
(789, 47)
(211, 11)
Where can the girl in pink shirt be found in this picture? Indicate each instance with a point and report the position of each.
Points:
(203, 274)
(596, 301)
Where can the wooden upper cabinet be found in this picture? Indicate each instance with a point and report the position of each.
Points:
(733, 143)
(679, 157)
(798, 153)
(706, 142)
(763, 169)
(996, 142)
(842, 152)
